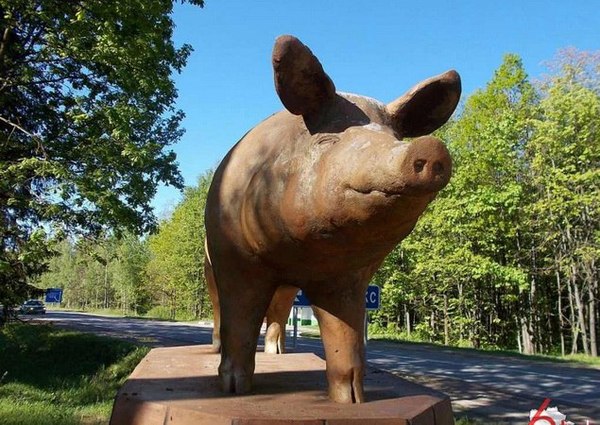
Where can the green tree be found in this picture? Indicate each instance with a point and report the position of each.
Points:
(507, 255)
(129, 279)
(462, 259)
(101, 272)
(62, 268)
(565, 170)
(86, 112)
(478, 218)
(175, 269)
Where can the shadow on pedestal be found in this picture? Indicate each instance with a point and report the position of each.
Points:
(180, 386)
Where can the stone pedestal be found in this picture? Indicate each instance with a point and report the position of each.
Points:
(179, 386)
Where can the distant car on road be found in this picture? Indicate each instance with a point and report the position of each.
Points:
(33, 307)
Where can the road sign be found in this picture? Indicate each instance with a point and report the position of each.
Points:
(301, 300)
(373, 297)
(54, 295)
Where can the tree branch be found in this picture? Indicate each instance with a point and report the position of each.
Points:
(18, 127)
(4, 42)
(33, 136)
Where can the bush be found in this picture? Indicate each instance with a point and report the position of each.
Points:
(160, 312)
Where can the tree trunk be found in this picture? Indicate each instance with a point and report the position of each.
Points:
(407, 319)
(432, 326)
(592, 307)
(528, 346)
(561, 319)
(572, 319)
(532, 320)
(173, 311)
(97, 293)
(519, 336)
(526, 320)
(106, 285)
(582, 325)
(592, 314)
(446, 322)
(462, 313)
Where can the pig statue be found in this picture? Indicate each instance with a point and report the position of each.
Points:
(315, 197)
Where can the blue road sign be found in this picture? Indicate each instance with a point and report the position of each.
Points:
(54, 295)
(373, 297)
(301, 300)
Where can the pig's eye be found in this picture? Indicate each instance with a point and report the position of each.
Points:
(324, 139)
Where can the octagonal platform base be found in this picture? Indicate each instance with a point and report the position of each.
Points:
(179, 386)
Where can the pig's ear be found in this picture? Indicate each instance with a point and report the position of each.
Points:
(300, 81)
(427, 106)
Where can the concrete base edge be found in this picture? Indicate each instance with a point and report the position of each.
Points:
(179, 386)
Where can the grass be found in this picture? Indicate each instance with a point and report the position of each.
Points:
(51, 376)
(582, 358)
(156, 314)
(311, 331)
(574, 359)
(465, 420)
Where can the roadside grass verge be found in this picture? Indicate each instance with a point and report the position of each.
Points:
(573, 359)
(155, 314)
(51, 376)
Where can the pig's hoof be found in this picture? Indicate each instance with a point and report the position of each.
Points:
(216, 345)
(271, 347)
(272, 339)
(347, 388)
(236, 384)
(234, 379)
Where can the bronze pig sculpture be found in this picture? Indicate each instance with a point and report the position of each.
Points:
(315, 197)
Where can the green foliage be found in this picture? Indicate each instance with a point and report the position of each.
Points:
(129, 281)
(505, 257)
(103, 272)
(176, 267)
(158, 276)
(160, 312)
(462, 253)
(564, 152)
(523, 201)
(44, 367)
(87, 105)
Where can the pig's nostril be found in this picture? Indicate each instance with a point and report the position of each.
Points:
(438, 168)
(419, 164)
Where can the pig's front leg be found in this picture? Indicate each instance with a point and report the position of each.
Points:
(341, 316)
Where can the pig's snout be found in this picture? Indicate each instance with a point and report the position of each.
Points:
(427, 166)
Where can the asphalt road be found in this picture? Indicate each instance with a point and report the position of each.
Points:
(497, 389)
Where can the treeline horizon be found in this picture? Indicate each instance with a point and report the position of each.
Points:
(505, 257)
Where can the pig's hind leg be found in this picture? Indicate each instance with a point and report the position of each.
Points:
(242, 312)
(214, 299)
(277, 316)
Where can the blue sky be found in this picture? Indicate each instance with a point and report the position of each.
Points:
(375, 48)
